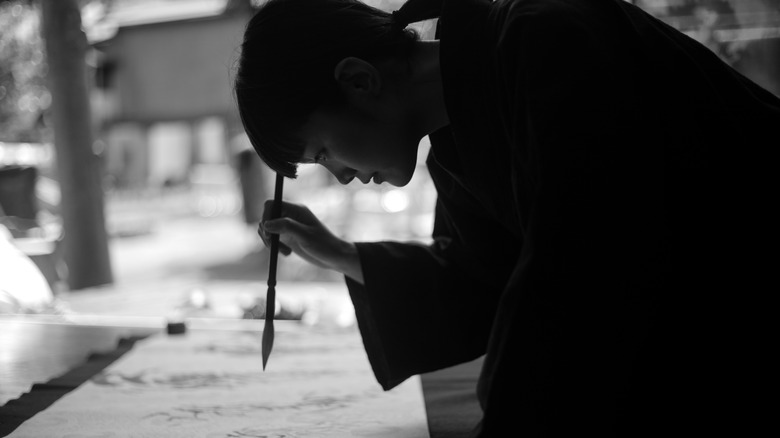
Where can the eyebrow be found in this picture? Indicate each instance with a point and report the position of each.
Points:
(307, 160)
(318, 154)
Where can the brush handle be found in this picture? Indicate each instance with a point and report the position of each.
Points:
(276, 212)
(270, 298)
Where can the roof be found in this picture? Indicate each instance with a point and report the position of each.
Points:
(102, 19)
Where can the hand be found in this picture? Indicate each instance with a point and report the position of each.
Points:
(302, 233)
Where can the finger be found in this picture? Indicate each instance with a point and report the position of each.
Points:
(263, 234)
(298, 212)
(280, 226)
(267, 208)
(266, 228)
(284, 225)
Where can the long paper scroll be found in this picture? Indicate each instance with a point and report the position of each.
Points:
(210, 384)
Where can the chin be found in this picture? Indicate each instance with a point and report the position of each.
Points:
(400, 179)
(403, 171)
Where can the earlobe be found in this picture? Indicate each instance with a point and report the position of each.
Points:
(357, 77)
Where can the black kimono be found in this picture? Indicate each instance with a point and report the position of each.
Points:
(603, 197)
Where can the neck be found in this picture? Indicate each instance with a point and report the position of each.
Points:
(426, 91)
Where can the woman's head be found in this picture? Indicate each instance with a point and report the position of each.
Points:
(290, 51)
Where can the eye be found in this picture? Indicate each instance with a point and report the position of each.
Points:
(320, 157)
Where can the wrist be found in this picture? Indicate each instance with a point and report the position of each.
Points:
(348, 262)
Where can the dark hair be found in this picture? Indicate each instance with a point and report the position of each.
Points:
(290, 48)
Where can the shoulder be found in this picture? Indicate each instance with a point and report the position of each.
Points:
(548, 38)
(538, 22)
(471, 22)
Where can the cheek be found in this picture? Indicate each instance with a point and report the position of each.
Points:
(389, 153)
(403, 162)
(379, 147)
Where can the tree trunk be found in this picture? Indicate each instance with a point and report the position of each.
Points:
(78, 168)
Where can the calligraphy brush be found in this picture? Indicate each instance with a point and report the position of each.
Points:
(270, 297)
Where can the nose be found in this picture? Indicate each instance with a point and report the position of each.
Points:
(343, 174)
(365, 179)
(345, 177)
(345, 180)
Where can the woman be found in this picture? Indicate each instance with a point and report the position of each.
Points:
(601, 202)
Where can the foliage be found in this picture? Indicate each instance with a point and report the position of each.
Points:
(24, 97)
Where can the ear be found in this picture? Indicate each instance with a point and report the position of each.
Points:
(357, 78)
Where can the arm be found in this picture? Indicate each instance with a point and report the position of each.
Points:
(419, 307)
(426, 307)
(418, 311)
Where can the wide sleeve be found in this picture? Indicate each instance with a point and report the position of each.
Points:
(427, 307)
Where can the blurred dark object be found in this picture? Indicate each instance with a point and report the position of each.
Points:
(176, 328)
(19, 214)
(17, 192)
(253, 195)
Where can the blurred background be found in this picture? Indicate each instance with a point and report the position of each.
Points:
(128, 189)
(179, 188)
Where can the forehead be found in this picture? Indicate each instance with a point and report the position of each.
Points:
(311, 144)
(309, 157)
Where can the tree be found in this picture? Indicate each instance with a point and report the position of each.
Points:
(86, 242)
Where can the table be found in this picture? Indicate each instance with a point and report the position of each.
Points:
(64, 355)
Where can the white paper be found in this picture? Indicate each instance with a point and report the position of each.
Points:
(211, 384)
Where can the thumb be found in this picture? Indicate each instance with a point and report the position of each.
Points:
(283, 226)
